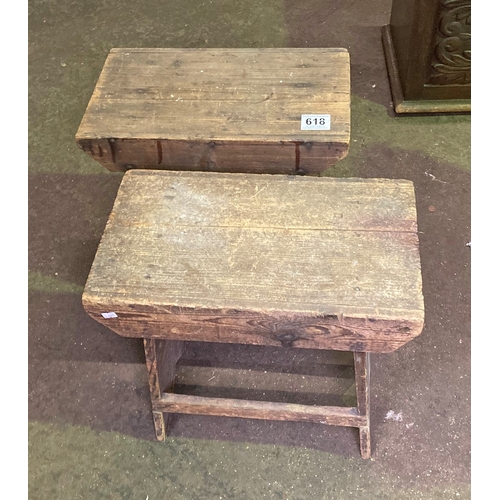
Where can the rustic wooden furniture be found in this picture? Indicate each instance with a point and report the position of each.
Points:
(272, 260)
(225, 110)
(428, 53)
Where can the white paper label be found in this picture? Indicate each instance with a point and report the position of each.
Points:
(315, 122)
(109, 315)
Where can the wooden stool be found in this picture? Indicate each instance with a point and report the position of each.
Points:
(272, 260)
(226, 110)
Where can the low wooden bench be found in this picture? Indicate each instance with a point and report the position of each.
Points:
(271, 260)
(283, 110)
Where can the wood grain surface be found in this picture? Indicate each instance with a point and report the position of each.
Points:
(161, 358)
(228, 110)
(329, 415)
(261, 259)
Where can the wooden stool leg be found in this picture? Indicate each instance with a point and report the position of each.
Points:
(160, 425)
(161, 360)
(362, 375)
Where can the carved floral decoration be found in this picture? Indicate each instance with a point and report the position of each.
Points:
(451, 62)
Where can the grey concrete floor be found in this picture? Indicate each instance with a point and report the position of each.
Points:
(90, 428)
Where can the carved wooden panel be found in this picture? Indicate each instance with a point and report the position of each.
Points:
(451, 61)
(427, 47)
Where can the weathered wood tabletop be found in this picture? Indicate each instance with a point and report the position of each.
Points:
(261, 259)
(227, 110)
